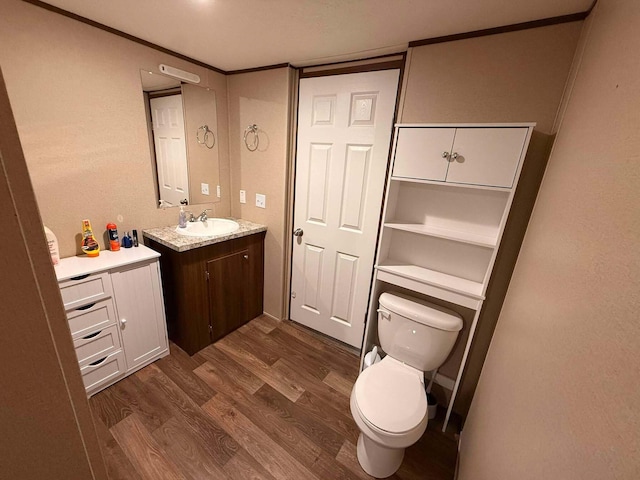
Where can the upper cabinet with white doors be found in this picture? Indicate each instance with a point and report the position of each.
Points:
(447, 203)
(469, 155)
(115, 311)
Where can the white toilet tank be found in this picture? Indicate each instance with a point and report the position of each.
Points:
(415, 331)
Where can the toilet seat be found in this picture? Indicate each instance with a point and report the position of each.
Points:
(390, 396)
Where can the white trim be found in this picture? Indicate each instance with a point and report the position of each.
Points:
(468, 125)
(272, 317)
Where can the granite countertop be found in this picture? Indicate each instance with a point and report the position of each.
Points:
(168, 236)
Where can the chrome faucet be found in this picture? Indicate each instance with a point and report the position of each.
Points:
(203, 216)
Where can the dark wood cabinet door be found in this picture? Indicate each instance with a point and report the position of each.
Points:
(229, 287)
(200, 311)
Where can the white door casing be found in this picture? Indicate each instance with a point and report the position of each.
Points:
(344, 133)
(171, 151)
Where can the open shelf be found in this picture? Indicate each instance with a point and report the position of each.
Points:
(431, 277)
(446, 233)
(450, 184)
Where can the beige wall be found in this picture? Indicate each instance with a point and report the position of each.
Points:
(558, 396)
(75, 91)
(47, 428)
(511, 77)
(262, 98)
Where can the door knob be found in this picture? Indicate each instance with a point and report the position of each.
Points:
(298, 232)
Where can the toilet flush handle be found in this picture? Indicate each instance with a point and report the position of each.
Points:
(385, 313)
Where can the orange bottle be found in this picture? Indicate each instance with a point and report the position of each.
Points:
(114, 241)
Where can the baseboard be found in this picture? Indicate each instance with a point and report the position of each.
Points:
(272, 317)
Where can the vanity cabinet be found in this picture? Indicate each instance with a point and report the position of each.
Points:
(446, 206)
(211, 290)
(115, 312)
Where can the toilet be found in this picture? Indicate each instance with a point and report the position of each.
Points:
(388, 400)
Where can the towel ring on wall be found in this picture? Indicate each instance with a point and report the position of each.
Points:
(205, 137)
(253, 129)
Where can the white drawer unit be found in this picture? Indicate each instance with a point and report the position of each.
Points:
(97, 345)
(446, 207)
(115, 331)
(84, 289)
(103, 372)
(91, 317)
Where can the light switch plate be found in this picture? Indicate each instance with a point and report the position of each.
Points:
(261, 200)
(243, 196)
(218, 191)
(204, 188)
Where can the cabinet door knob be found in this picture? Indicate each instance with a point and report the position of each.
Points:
(445, 154)
(298, 232)
(246, 257)
(454, 156)
(123, 322)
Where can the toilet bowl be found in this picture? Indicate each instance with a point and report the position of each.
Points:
(389, 405)
(388, 400)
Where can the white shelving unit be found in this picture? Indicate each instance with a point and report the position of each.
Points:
(447, 202)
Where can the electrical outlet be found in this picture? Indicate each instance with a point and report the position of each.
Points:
(218, 191)
(261, 200)
(243, 196)
(204, 188)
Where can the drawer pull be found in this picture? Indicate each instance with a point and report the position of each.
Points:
(80, 277)
(98, 362)
(86, 307)
(91, 335)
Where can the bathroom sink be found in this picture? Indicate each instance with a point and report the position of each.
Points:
(208, 228)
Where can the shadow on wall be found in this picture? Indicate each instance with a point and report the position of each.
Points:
(523, 203)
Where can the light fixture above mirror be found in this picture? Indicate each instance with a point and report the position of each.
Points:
(180, 74)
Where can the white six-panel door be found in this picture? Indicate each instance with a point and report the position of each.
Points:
(171, 152)
(344, 131)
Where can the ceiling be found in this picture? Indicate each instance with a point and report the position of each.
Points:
(239, 34)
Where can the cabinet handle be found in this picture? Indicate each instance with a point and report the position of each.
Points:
(98, 362)
(86, 307)
(79, 277)
(445, 154)
(454, 156)
(91, 335)
(246, 257)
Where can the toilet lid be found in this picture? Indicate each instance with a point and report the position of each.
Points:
(391, 396)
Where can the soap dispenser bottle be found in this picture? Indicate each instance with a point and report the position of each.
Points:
(182, 218)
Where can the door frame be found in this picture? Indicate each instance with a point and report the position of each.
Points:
(385, 62)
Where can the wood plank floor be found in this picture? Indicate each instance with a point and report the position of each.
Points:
(270, 401)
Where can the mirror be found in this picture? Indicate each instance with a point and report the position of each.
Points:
(183, 140)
